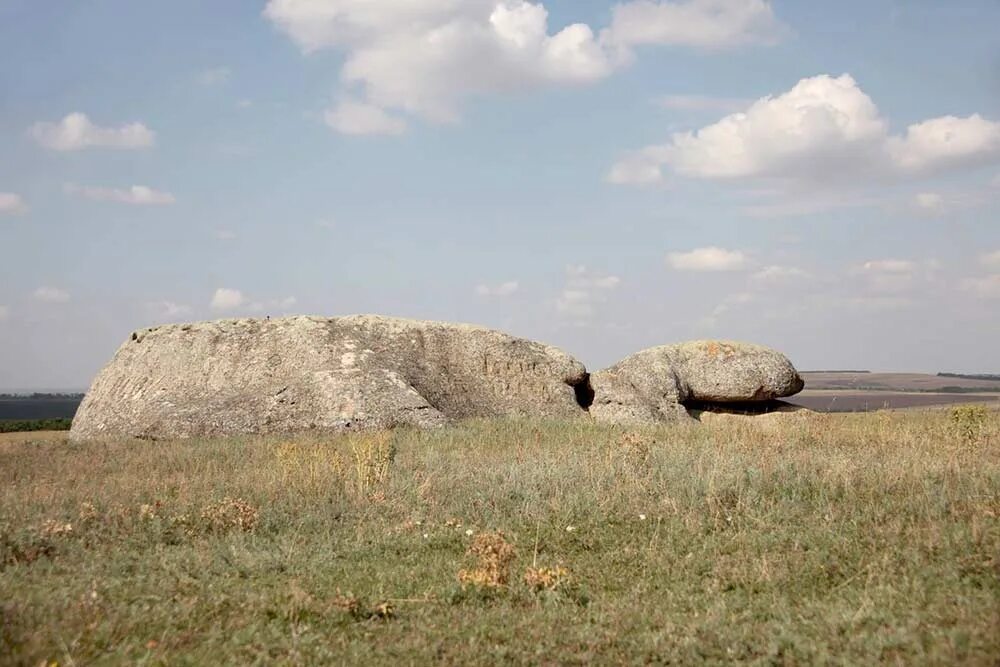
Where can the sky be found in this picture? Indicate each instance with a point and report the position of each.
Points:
(822, 178)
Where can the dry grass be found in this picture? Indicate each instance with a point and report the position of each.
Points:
(850, 539)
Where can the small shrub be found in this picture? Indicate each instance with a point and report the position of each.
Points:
(229, 514)
(373, 457)
(494, 556)
(546, 578)
(25, 546)
(358, 610)
(969, 421)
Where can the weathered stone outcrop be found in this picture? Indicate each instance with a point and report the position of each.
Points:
(234, 377)
(655, 384)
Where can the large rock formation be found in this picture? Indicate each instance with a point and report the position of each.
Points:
(273, 376)
(655, 384)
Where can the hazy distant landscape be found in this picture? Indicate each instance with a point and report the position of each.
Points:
(863, 391)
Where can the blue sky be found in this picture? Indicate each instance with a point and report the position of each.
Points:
(819, 177)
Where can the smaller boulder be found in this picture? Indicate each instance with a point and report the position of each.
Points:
(656, 384)
(730, 372)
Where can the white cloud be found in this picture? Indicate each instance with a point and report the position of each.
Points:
(775, 274)
(275, 305)
(929, 202)
(639, 168)
(889, 266)
(707, 24)
(168, 310)
(501, 290)
(583, 292)
(425, 57)
(707, 259)
(731, 302)
(361, 118)
(945, 142)
(226, 299)
(987, 287)
(4, 313)
(12, 204)
(51, 295)
(75, 132)
(137, 195)
(824, 130)
(703, 103)
(896, 276)
(214, 76)
(991, 259)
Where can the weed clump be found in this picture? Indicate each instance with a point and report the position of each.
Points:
(230, 513)
(546, 578)
(494, 556)
(969, 421)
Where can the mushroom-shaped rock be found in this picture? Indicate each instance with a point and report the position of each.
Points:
(655, 384)
(250, 376)
(731, 372)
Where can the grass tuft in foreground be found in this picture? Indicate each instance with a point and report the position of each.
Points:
(836, 538)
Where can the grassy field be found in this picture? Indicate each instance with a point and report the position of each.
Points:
(824, 539)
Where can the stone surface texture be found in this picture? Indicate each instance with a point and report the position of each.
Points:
(654, 384)
(251, 376)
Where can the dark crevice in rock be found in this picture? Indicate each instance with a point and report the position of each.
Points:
(584, 392)
(695, 408)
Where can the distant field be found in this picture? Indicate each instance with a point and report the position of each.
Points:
(823, 539)
(868, 401)
(899, 382)
(30, 408)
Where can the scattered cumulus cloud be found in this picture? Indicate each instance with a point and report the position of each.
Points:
(424, 58)
(12, 204)
(929, 202)
(889, 266)
(704, 24)
(76, 132)
(824, 130)
(945, 142)
(727, 305)
(226, 299)
(991, 260)
(51, 295)
(987, 287)
(137, 195)
(583, 292)
(214, 76)
(895, 276)
(362, 118)
(168, 311)
(702, 103)
(503, 289)
(775, 274)
(708, 259)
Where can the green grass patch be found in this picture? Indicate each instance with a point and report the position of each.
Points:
(843, 539)
(26, 425)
